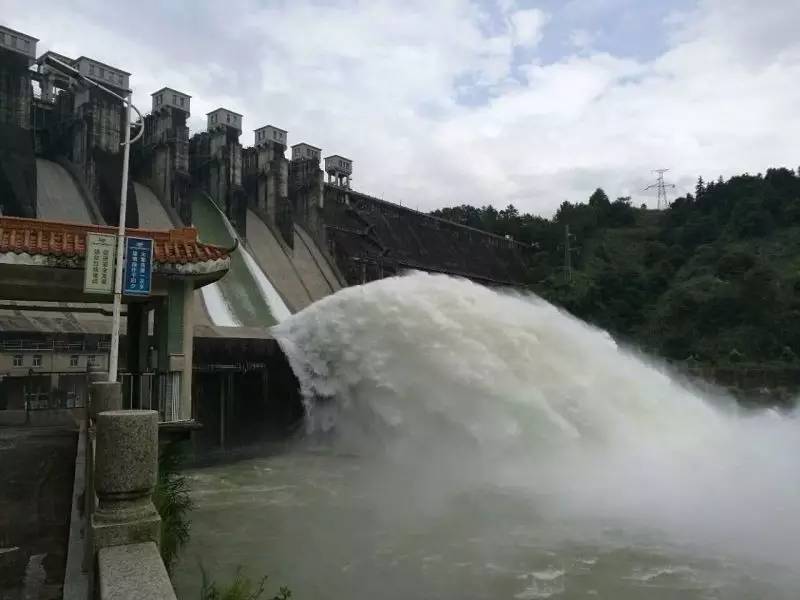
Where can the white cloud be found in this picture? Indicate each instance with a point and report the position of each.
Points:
(581, 39)
(527, 26)
(429, 103)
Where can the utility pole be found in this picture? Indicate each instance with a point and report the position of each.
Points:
(661, 188)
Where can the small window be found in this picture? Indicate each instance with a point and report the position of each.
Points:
(119, 79)
(73, 360)
(91, 361)
(91, 69)
(18, 360)
(174, 99)
(102, 73)
(182, 101)
(229, 118)
(37, 360)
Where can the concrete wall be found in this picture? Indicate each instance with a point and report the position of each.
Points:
(162, 161)
(102, 73)
(60, 362)
(215, 160)
(17, 166)
(306, 197)
(266, 181)
(171, 98)
(221, 118)
(371, 238)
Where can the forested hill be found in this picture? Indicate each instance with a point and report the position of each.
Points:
(714, 278)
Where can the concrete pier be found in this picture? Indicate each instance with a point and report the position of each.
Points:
(126, 467)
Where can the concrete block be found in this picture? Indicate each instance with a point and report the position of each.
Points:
(144, 527)
(126, 467)
(133, 572)
(76, 579)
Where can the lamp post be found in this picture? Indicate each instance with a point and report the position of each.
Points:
(113, 356)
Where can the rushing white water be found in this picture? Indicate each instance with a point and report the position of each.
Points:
(452, 387)
(276, 304)
(218, 309)
(268, 292)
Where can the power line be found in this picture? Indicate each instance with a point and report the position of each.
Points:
(661, 187)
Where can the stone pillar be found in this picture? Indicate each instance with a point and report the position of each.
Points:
(105, 395)
(126, 468)
(174, 338)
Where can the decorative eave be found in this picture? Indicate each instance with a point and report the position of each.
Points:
(33, 242)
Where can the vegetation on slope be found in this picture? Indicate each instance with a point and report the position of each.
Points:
(241, 588)
(172, 501)
(713, 278)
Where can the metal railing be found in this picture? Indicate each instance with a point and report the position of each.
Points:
(152, 391)
(48, 390)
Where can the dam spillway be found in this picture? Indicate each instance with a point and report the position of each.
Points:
(58, 197)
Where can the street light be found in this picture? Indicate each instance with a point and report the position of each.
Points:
(113, 357)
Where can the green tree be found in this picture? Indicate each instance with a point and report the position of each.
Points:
(599, 199)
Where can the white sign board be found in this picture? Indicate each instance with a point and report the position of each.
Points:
(98, 278)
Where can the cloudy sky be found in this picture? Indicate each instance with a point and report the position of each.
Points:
(443, 102)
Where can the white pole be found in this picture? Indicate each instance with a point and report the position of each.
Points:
(113, 357)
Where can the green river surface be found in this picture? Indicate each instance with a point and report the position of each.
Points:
(308, 518)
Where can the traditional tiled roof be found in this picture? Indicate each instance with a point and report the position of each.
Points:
(51, 238)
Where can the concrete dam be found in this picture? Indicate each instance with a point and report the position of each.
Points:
(295, 228)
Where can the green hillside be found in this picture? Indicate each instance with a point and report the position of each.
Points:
(712, 279)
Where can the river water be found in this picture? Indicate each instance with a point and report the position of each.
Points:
(465, 443)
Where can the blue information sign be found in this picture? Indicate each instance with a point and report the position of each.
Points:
(138, 266)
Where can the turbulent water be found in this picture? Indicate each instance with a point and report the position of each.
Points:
(467, 443)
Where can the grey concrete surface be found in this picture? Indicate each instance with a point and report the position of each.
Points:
(273, 260)
(104, 396)
(57, 195)
(126, 466)
(152, 214)
(76, 580)
(133, 572)
(36, 471)
(127, 455)
(313, 266)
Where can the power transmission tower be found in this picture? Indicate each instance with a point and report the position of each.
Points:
(568, 250)
(661, 187)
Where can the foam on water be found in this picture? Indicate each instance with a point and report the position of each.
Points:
(453, 386)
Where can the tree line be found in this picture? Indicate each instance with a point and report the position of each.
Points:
(713, 278)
